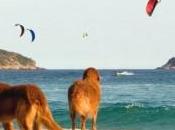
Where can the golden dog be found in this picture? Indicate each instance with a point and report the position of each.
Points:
(28, 105)
(6, 125)
(84, 98)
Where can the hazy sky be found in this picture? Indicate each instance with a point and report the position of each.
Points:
(121, 35)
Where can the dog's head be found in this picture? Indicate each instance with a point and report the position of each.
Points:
(91, 73)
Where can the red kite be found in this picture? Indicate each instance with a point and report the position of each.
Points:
(151, 6)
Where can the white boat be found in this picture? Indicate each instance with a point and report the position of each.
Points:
(124, 73)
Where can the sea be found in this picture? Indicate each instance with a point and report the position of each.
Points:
(131, 99)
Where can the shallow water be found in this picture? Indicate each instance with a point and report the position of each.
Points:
(143, 101)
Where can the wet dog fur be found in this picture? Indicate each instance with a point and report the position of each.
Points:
(27, 104)
(84, 98)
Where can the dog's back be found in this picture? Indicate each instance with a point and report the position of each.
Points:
(4, 86)
(84, 95)
(84, 98)
(20, 95)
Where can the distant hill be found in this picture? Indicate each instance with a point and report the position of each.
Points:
(170, 65)
(13, 60)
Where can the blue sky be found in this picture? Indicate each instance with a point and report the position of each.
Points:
(120, 34)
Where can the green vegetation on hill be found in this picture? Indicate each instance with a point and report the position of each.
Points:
(12, 60)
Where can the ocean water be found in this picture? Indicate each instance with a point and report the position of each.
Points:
(142, 101)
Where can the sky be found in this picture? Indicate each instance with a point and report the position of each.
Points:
(120, 33)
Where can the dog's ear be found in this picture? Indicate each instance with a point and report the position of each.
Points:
(85, 74)
(98, 77)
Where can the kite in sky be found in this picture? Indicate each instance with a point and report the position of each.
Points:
(85, 34)
(23, 30)
(32, 34)
(151, 6)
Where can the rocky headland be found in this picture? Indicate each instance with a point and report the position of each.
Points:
(170, 65)
(15, 61)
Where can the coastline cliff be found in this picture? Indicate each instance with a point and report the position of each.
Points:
(170, 65)
(13, 60)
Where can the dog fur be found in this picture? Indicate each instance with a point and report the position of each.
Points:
(6, 125)
(28, 105)
(84, 98)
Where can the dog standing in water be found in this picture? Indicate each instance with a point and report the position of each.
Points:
(28, 105)
(84, 98)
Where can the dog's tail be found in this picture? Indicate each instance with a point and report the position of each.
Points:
(43, 115)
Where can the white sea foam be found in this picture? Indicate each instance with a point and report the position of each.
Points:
(134, 105)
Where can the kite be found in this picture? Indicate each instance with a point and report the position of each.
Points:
(85, 35)
(32, 34)
(22, 29)
(151, 6)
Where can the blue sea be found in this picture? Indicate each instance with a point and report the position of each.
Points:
(144, 100)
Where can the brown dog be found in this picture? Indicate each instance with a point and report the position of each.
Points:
(6, 125)
(84, 98)
(28, 105)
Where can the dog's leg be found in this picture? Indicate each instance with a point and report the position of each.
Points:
(83, 123)
(73, 117)
(36, 125)
(94, 121)
(8, 126)
(37, 122)
(26, 124)
(26, 117)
